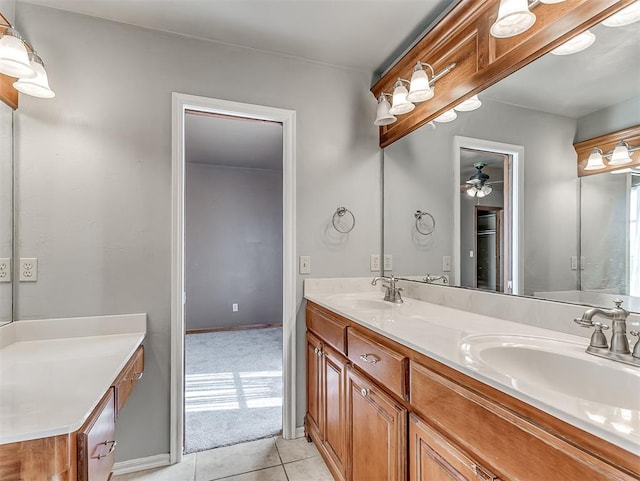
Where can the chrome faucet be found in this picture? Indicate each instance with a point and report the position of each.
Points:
(430, 279)
(619, 349)
(392, 293)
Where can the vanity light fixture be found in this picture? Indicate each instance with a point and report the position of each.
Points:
(628, 15)
(403, 101)
(449, 116)
(576, 44)
(19, 59)
(468, 105)
(595, 161)
(383, 116)
(622, 153)
(38, 86)
(515, 17)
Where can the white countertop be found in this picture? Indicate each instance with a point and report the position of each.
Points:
(50, 384)
(439, 332)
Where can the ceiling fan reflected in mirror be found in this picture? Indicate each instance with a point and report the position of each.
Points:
(478, 184)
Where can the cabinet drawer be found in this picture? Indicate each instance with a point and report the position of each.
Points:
(96, 442)
(328, 328)
(128, 378)
(497, 437)
(380, 362)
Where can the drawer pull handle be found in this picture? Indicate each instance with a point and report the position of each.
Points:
(111, 449)
(370, 358)
(136, 376)
(364, 391)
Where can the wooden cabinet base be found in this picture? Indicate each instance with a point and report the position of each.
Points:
(40, 459)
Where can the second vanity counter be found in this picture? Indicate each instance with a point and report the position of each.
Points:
(448, 335)
(53, 373)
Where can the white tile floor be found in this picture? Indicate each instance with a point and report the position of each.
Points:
(272, 459)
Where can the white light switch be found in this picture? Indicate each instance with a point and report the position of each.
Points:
(5, 270)
(388, 262)
(234, 307)
(574, 263)
(470, 253)
(374, 263)
(304, 264)
(446, 263)
(28, 269)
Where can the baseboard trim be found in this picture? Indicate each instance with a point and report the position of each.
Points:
(140, 464)
(300, 432)
(233, 328)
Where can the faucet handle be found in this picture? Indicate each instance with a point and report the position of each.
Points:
(598, 338)
(636, 348)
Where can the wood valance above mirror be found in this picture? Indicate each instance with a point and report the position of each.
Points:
(8, 94)
(606, 143)
(462, 36)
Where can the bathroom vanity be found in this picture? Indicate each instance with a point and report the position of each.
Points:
(63, 384)
(414, 391)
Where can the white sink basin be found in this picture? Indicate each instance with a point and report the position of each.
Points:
(538, 365)
(364, 301)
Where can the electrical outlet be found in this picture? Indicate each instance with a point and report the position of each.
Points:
(5, 270)
(388, 262)
(304, 264)
(28, 269)
(374, 263)
(234, 307)
(574, 263)
(446, 263)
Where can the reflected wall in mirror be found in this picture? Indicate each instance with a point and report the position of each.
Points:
(6, 211)
(544, 108)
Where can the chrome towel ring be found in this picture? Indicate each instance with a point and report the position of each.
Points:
(339, 216)
(423, 227)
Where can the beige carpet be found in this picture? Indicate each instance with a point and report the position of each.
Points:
(233, 387)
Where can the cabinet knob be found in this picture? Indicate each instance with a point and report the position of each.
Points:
(364, 391)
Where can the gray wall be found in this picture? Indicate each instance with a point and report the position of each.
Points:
(616, 117)
(418, 173)
(94, 178)
(233, 246)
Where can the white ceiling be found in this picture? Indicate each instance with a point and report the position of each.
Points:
(361, 34)
(233, 141)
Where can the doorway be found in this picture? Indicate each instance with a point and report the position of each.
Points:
(182, 105)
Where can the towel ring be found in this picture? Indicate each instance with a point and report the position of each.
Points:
(339, 213)
(419, 215)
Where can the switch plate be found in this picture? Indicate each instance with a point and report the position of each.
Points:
(374, 263)
(388, 262)
(574, 263)
(446, 263)
(28, 269)
(583, 261)
(5, 269)
(304, 264)
(471, 254)
(234, 307)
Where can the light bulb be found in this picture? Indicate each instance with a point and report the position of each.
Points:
(399, 103)
(419, 89)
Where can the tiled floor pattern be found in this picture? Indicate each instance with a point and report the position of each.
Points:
(273, 459)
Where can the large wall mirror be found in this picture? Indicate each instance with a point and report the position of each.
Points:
(500, 184)
(6, 211)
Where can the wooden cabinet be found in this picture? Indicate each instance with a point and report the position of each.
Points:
(96, 441)
(326, 417)
(128, 379)
(377, 427)
(380, 411)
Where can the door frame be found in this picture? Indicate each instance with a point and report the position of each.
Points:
(180, 103)
(514, 224)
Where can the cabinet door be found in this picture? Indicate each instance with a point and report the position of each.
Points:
(334, 434)
(377, 432)
(433, 458)
(96, 442)
(314, 379)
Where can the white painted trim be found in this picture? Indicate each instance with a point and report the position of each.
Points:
(299, 432)
(140, 464)
(180, 103)
(517, 209)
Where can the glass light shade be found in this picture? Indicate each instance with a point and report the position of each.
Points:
(38, 86)
(514, 18)
(448, 116)
(620, 155)
(595, 162)
(14, 59)
(626, 16)
(576, 44)
(399, 103)
(484, 191)
(468, 105)
(383, 116)
(472, 191)
(420, 90)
